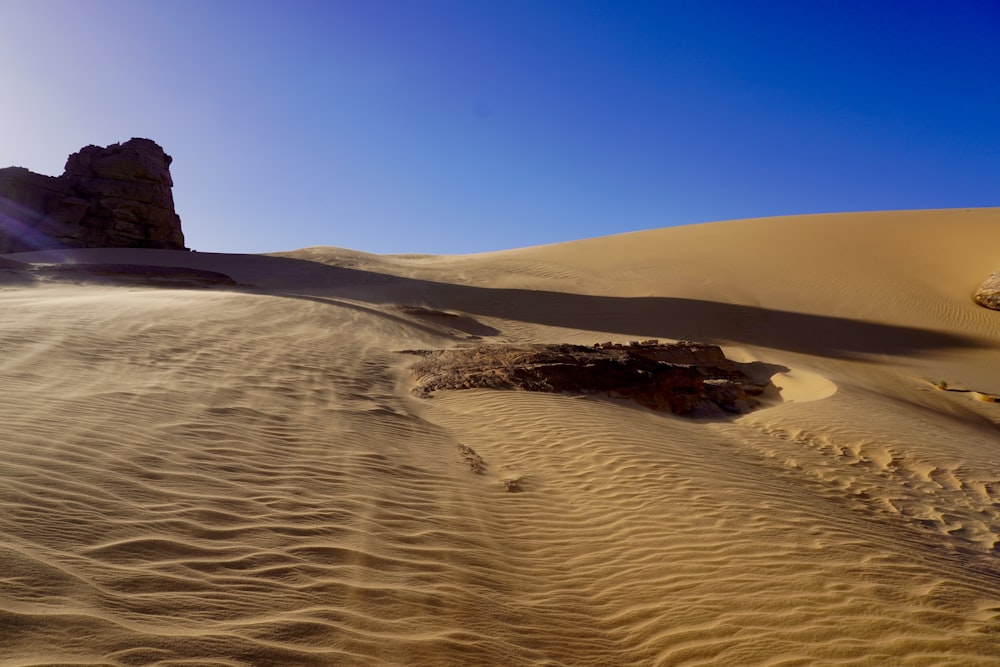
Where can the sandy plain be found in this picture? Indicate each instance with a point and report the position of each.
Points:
(241, 476)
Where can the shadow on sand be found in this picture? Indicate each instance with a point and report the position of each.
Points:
(653, 317)
(663, 317)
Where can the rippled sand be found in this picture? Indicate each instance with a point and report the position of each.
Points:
(240, 476)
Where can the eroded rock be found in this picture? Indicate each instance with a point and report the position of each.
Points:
(988, 293)
(114, 197)
(693, 379)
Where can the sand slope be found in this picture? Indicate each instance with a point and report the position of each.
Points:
(240, 476)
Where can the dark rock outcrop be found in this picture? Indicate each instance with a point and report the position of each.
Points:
(692, 379)
(114, 197)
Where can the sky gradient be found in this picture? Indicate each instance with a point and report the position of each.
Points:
(466, 126)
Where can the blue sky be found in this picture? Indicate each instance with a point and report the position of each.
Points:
(466, 126)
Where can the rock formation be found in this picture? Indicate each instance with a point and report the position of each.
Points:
(988, 293)
(693, 379)
(113, 197)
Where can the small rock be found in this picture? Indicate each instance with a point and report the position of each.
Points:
(475, 461)
(988, 294)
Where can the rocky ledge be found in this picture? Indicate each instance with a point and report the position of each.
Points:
(691, 379)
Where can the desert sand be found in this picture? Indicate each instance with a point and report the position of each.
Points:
(240, 475)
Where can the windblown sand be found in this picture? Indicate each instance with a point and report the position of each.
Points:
(240, 475)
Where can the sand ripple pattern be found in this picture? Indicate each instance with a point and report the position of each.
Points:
(190, 484)
(243, 479)
(689, 550)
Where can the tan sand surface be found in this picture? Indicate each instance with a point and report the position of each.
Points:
(240, 475)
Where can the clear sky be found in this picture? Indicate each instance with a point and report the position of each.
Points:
(472, 125)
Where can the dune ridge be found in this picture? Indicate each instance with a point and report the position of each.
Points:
(239, 474)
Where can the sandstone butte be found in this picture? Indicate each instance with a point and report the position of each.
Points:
(119, 196)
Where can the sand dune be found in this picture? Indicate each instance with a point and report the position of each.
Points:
(239, 475)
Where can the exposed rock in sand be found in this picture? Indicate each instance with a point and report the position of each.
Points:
(119, 196)
(692, 379)
(988, 293)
